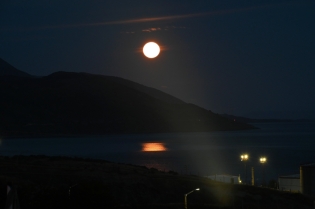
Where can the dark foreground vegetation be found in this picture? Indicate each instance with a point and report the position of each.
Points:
(62, 182)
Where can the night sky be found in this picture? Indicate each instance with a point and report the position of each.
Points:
(247, 58)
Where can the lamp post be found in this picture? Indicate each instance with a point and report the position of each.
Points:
(70, 187)
(263, 160)
(188, 194)
(244, 158)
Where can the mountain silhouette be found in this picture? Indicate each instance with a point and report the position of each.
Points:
(68, 103)
(8, 70)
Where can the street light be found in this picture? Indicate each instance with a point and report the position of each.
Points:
(188, 194)
(244, 158)
(263, 160)
(70, 187)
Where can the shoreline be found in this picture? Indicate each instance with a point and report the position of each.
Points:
(108, 134)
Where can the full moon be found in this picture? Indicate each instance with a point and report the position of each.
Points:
(151, 50)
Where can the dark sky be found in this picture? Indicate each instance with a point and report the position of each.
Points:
(248, 58)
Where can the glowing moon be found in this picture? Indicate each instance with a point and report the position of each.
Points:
(151, 50)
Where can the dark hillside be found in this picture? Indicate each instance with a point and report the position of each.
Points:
(8, 70)
(80, 103)
(147, 90)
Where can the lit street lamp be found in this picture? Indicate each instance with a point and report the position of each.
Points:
(263, 160)
(244, 158)
(188, 194)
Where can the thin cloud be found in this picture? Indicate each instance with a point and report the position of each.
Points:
(150, 19)
(151, 30)
(174, 17)
(155, 29)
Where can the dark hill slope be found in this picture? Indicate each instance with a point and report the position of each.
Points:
(79, 103)
(147, 90)
(8, 70)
